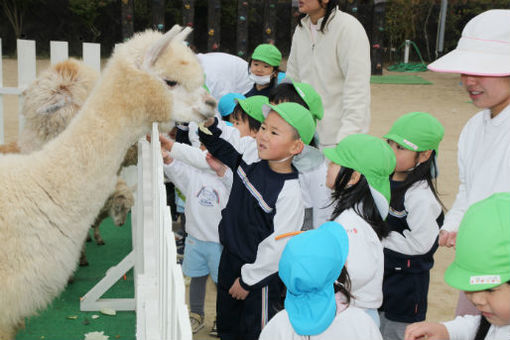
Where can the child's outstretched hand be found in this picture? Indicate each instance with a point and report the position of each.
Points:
(447, 238)
(237, 291)
(166, 143)
(216, 165)
(426, 330)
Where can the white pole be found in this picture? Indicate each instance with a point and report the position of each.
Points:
(2, 137)
(58, 51)
(26, 72)
(406, 51)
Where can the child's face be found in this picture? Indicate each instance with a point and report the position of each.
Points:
(493, 303)
(244, 127)
(276, 139)
(260, 68)
(406, 159)
(488, 92)
(333, 170)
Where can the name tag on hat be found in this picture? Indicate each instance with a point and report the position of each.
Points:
(484, 279)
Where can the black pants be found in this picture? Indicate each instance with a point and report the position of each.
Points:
(243, 319)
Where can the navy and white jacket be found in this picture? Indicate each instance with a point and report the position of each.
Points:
(409, 251)
(262, 205)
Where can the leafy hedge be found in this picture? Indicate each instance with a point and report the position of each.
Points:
(100, 21)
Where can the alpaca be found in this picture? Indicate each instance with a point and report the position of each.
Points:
(52, 101)
(49, 198)
(117, 206)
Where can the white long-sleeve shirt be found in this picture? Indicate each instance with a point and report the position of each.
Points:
(365, 261)
(337, 64)
(352, 324)
(422, 209)
(465, 327)
(484, 162)
(206, 195)
(225, 73)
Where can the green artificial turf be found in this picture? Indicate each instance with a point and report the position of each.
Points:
(405, 79)
(56, 323)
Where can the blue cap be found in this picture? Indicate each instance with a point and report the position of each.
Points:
(309, 265)
(281, 76)
(227, 103)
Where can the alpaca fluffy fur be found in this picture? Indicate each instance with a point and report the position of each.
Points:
(50, 197)
(117, 206)
(52, 101)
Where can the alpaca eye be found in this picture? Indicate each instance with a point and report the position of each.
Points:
(171, 83)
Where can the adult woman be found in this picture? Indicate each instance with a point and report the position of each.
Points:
(331, 52)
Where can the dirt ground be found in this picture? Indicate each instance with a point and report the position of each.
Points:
(445, 99)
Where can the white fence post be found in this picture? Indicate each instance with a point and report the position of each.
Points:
(92, 55)
(2, 136)
(26, 71)
(58, 51)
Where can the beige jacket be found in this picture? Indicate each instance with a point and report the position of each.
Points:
(337, 65)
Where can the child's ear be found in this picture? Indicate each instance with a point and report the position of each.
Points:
(424, 156)
(356, 175)
(297, 147)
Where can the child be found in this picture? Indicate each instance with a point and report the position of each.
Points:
(265, 200)
(414, 219)
(263, 69)
(206, 196)
(484, 144)
(226, 105)
(310, 265)
(359, 177)
(482, 270)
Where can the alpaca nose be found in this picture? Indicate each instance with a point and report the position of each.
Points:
(210, 101)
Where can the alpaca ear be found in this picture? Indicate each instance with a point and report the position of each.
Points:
(157, 49)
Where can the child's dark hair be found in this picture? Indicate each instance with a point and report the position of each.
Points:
(421, 172)
(274, 80)
(330, 7)
(226, 118)
(484, 326)
(343, 285)
(348, 197)
(286, 92)
(239, 114)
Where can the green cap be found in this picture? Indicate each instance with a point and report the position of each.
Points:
(267, 53)
(253, 106)
(482, 255)
(297, 116)
(417, 131)
(309, 96)
(373, 158)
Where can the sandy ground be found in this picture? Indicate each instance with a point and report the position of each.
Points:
(445, 99)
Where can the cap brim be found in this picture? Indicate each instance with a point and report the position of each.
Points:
(311, 313)
(400, 141)
(460, 278)
(331, 154)
(472, 63)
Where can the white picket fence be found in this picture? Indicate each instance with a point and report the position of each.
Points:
(159, 302)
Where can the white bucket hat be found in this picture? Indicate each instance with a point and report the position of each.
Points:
(483, 49)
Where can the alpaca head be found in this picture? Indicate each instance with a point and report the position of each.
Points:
(52, 100)
(120, 203)
(173, 77)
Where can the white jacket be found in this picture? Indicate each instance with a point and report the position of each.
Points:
(465, 327)
(422, 209)
(351, 324)
(206, 195)
(337, 65)
(365, 261)
(225, 73)
(484, 162)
